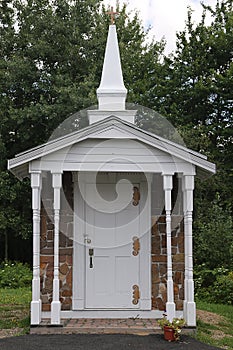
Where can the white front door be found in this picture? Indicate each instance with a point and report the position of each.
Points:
(112, 264)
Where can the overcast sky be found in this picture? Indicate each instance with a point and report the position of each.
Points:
(165, 16)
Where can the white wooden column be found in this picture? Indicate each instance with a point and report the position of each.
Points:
(56, 304)
(170, 305)
(189, 304)
(36, 204)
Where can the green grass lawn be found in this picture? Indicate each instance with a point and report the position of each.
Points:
(219, 334)
(14, 309)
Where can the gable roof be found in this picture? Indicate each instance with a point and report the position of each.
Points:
(111, 127)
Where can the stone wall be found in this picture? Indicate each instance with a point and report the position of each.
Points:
(65, 243)
(159, 262)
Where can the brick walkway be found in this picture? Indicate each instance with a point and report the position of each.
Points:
(137, 326)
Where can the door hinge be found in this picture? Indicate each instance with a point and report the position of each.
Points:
(136, 294)
(136, 196)
(136, 246)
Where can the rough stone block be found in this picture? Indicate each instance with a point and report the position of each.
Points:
(162, 219)
(46, 259)
(164, 241)
(66, 307)
(62, 239)
(66, 251)
(64, 269)
(69, 260)
(178, 277)
(181, 293)
(179, 305)
(178, 266)
(160, 304)
(176, 289)
(47, 251)
(69, 278)
(66, 293)
(46, 307)
(155, 229)
(163, 291)
(48, 285)
(174, 241)
(155, 274)
(50, 235)
(178, 258)
(43, 244)
(163, 269)
(159, 258)
(50, 226)
(162, 228)
(43, 265)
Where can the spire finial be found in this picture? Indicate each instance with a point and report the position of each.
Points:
(112, 14)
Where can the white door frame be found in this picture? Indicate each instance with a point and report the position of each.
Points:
(79, 246)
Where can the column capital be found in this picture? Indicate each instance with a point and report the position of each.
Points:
(167, 182)
(188, 182)
(36, 179)
(56, 179)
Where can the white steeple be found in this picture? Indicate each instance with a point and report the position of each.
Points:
(111, 93)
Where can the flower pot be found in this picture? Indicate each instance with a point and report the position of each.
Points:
(169, 333)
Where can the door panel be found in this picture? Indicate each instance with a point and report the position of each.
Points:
(112, 222)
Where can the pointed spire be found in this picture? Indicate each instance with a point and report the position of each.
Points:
(112, 92)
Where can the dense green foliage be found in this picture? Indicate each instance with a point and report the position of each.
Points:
(214, 285)
(14, 275)
(51, 56)
(199, 103)
(213, 235)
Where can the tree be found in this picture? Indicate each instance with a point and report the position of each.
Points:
(198, 95)
(200, 99)
(214, 236)
(51, 61)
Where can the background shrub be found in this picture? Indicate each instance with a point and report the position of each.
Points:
(223, 289)
(215, 286)
(15, 275)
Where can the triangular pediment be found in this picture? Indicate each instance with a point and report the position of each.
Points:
(109, 128)
(112, 132)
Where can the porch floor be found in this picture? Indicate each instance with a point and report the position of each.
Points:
(137, 326)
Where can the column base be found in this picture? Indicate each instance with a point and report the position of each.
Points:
(35, 312)
(190, 316)
(170, 310)
(55, 313)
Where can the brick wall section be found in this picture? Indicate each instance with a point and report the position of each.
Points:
(65, 244)
(159, 262)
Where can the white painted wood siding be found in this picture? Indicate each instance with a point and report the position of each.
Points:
(113, 155)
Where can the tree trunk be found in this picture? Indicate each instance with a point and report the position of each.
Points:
(6, 246)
